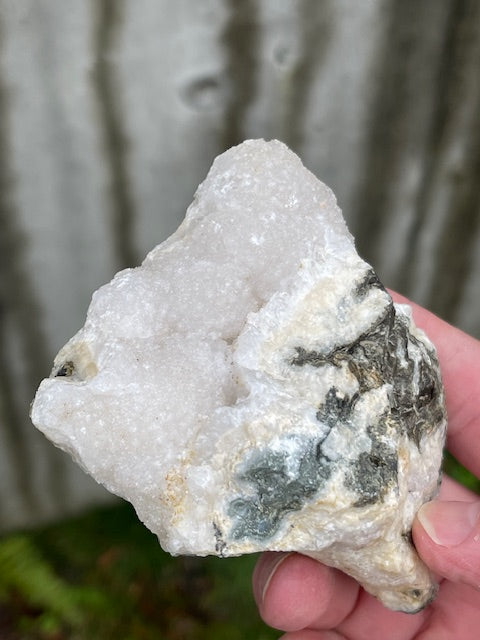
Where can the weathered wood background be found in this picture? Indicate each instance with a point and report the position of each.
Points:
(111, 112)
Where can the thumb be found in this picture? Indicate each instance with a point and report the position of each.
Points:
(447, 537)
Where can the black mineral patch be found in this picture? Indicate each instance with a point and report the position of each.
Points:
(368, 357)
(273, 489)
(384, 355)
(387, 356)
(336, 408)
(423, 596)
(313, 358)
(66, 370)
(220, 544)
(373, 473)
(417, 396)
(370, 280)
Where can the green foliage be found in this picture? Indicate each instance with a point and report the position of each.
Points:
(41, 600)
(104, 576)
(457, 471)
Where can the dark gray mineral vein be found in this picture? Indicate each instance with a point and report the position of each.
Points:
(277, 490)
(384, 354)
(373, 472)
(381, 356)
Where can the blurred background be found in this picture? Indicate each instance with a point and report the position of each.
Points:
(111, 112)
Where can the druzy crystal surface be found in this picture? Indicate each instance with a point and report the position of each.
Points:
(252, 385)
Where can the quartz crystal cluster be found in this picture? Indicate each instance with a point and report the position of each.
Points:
(252, 385)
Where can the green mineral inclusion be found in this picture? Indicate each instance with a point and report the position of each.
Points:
(281, 479)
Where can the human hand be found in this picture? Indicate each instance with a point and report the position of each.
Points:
(314, 602)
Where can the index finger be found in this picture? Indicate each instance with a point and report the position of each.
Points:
(459, 356)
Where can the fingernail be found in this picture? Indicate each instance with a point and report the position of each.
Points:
(449, 523)
(268, 567)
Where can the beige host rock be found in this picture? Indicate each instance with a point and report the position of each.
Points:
(252, 386)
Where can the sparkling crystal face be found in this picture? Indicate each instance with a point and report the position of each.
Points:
(252, 386)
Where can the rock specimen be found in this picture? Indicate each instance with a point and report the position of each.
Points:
(252, 386)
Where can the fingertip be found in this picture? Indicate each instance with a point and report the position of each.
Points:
(449, 523)
(264, 571)
(289, 589)
(446, 535)
(299, 592)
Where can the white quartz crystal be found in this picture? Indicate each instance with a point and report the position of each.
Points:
(252, 386)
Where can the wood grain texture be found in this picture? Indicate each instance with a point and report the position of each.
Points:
(111, 112)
